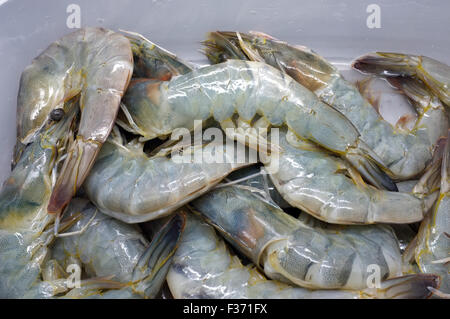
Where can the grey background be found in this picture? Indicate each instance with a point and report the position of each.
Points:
(335, 29)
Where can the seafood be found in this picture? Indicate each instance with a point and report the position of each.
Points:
(109, 248)
(93, 63)
(405, 153)
(67, 144)
(405, 235)
(24, 221)
(127, 184)
(255, 179)
(330, 189)
(150, 62)
(290, 250)
(154, 62)
(433, 239)
(249, 89)
(26, 230)
(435, 74)
(203, 267)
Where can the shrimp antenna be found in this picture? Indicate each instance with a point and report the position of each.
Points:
(77, 232)
(236, 181)
(265, 194)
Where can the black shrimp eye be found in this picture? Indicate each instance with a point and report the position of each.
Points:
(222, 57)
(57, 114)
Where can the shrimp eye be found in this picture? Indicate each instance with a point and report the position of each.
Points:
(56, 115)
(222, 57)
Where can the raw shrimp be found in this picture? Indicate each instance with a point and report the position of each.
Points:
(26, 229)
(93, 63)
(203, 267)
(405, 153)
(258, 182)
(157, 108)
(154, 62)
(255, 178)
(330, 189)
(435, 74)
(433, 240)
(150, 62)
(127, 184)
(24, 221)
(290, 250)
(109, 248)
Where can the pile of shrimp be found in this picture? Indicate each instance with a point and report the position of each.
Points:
(119, 190)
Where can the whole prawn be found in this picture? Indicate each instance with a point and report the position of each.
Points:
(250, 89)
(204, 267)
(93, 63)
(405, 153)
(287, 249)
(27, 233)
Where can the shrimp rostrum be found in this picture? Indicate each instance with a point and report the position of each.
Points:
(204, 267)
(94, 64)
(405, 153)
(248, 90)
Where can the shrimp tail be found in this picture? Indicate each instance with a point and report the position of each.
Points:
(387, 64)
(153, 61)
(151, 269)
(412, 88)
(219, 47)
(433, 73)
(417, 286)
(224, 45)
(415, 90)
(431, 179)
(368, 164)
